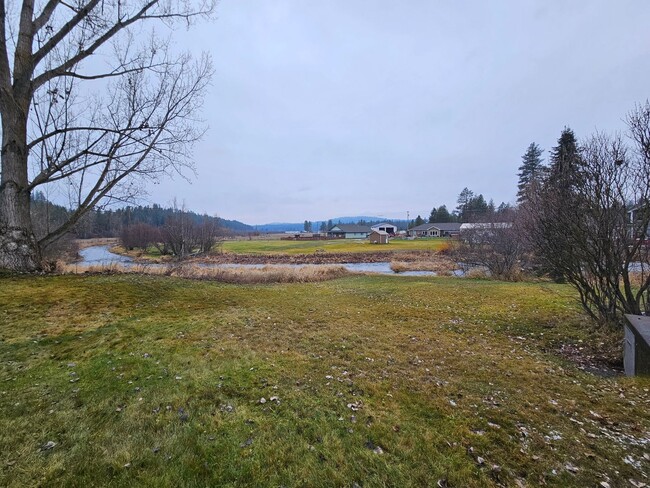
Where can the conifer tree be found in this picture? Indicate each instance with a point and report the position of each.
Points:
(530, 171)
(564, 171)
(433, 216)
(443, 215)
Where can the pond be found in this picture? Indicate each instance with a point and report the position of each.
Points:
(101, 256)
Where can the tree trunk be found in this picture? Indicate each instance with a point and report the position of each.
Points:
(18, 247)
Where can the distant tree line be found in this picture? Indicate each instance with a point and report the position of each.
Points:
(110, 222)
(470, 207)
(173, 230)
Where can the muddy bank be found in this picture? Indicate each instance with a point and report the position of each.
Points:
(315, 258)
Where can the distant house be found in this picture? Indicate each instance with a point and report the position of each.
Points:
(635, 216)
(379, 237)
(349, 231)
(446, 229)
(389, 228)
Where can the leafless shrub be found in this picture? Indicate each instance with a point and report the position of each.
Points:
(140, 236)
(182, 235)
(498, 246)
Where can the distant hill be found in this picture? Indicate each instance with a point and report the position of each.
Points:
(236, 226)
(354, 220)
(279, 227)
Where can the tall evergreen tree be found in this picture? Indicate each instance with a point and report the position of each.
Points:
(464, 199)
(530, 171)
(564, 175)
(564, 171)
(475, 209)
(503, 207)
(443, 215)
(433, 216)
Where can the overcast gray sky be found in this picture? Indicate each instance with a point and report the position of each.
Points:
(377, 107)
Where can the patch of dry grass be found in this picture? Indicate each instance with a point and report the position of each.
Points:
(438, 264)
(267, 274)
(637, 278)
(99, 241)
(236, 275)
(477, 274)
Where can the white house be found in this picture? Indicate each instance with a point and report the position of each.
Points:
(636, 217)
(384, 227)
(443, 229)
(349, 231)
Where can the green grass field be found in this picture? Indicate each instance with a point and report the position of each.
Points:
(367, 381)
(333, 246)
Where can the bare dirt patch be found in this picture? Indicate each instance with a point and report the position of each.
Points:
(319, 258)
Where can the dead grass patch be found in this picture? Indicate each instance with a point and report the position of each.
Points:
(98, 241)
(438, 264)
(266, 274)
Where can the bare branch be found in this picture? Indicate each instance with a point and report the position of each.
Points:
(45, 15)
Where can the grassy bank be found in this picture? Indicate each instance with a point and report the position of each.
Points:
(331, 246)
(374, 381)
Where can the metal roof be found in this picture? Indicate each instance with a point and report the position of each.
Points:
(351, 228)
(443, 226)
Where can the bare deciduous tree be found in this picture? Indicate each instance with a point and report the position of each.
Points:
(498, 243)
(588, 230)
(59, 131)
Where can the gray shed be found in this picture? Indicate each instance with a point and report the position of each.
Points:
(637, 345)
(379, 237)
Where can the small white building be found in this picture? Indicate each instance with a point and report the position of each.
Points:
(385, 227)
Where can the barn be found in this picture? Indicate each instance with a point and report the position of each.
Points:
(389, 228)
